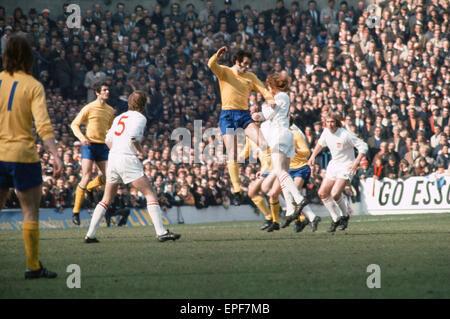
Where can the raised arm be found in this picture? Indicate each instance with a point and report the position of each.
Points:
(213, 62)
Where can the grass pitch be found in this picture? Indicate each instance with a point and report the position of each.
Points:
(238, 261)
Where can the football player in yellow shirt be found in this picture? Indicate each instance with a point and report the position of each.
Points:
(236, 83)
(22, 100)
(254, 189)
(98, 117)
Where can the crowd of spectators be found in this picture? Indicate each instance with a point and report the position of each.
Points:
(386, 71)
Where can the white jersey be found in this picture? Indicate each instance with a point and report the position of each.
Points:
(341, 145)
(278, 116)
(126, 128)
(275, 127)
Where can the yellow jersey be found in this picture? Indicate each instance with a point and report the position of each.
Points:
(98, 118)
(235, 88)
(22, 100)
(302, 151)
(266, 163)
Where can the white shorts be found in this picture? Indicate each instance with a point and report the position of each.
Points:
(337, 170)
(282, 140)
(123, 169)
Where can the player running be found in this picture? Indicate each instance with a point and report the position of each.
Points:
(98, 116)
(340, 169)
(236, 83)
(22, 100)
(124, 166)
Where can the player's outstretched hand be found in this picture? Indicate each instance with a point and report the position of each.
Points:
(221, 51)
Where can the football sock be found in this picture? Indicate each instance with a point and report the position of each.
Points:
(96, 182)
(155, 214)
(233, 171)
(260, 202)
(343, 206)
(288, 201)
(275, 209)
(99, 212)
(30, 233)
(287, 183)
(332, 208)
(309, 213)
(79, 196)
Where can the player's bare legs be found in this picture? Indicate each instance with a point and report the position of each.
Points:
(230, 141)
(325, 194)
(3, 194)
(336, 194)
(100, 210)
(30, 200)
(85, 185)
(86, 173)
(253, 132)
(154, 210)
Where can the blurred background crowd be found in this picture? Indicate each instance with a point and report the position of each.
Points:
(385, 70)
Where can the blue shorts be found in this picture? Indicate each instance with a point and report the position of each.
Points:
(21, 176)
(303, 172)
(233, 119)
(97, 152)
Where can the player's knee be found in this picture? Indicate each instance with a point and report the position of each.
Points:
(252, 192)
(336, 196)
(322, 194)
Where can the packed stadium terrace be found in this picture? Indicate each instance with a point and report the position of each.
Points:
(386, 71)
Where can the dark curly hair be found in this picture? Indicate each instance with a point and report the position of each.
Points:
(240, 54)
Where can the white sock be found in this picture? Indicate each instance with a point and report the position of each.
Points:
(288, 201)
(282, 202)
(155, 214)
(287, 182)
(343, 206)
(97, 216)
(309, 213)
(331, 207)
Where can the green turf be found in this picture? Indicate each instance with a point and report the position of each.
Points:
(237, 260)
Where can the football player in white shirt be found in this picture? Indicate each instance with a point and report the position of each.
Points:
(340, 169)
(280, 139)
(124, 166)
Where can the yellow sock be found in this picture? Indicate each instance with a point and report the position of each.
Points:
(96, 182)
(260, 202)
(275, 209)
(30, 233)
(301, 218)
(233, 170)
(79, 196)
